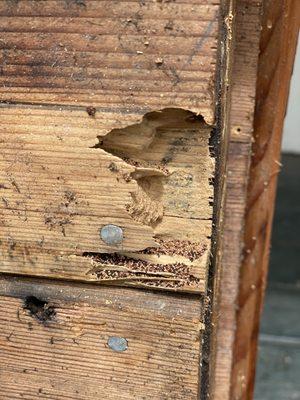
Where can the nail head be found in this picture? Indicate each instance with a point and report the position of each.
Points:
(118, 344)
(111, 234)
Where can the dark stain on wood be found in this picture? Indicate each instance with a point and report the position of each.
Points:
(39, 309)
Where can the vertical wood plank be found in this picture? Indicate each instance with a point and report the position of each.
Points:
(280, 26)
(240, 127)
(257, 113)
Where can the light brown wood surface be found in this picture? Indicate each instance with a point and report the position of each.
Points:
(266, 37)
(66, 355)
(280, 28)
(102, 123)
(116, 112)
(59, 190)
(247, 34)
(121, 55)
(107, 117)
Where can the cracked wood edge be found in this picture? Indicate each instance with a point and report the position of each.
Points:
(59, 89)
(59, 189)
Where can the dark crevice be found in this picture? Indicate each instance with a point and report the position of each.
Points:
(122, 267)
(39, 309)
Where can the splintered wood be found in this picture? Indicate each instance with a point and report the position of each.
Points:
(151, 179)
(106, 119)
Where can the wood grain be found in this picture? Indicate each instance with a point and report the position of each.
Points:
(102, 106)
(280, 27)
(134, 55)
(67, 355)
(101, 123)
(256, 127)
(240, 127)
(63, 179)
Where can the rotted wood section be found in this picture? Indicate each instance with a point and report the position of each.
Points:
(107, 120)
(106, 117)
(64, 178)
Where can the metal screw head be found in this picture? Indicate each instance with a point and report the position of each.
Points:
(116, 343)
(111, 234)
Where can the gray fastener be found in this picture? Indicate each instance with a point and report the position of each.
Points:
(116, 343)
(111, 234)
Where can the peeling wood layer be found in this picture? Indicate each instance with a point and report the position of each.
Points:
(158, 271)
(59, 187)
(106, 118)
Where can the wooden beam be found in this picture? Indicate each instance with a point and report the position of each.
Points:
(263, 61)
(280, 28)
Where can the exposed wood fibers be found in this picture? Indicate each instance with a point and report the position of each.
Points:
(156, 174)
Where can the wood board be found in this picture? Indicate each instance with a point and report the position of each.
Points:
(266, 37)
(101, 125)
(55, 342)
(125, 95)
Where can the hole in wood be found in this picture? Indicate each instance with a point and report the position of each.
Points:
(165, 149)
(39, 309)
(154, 179)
